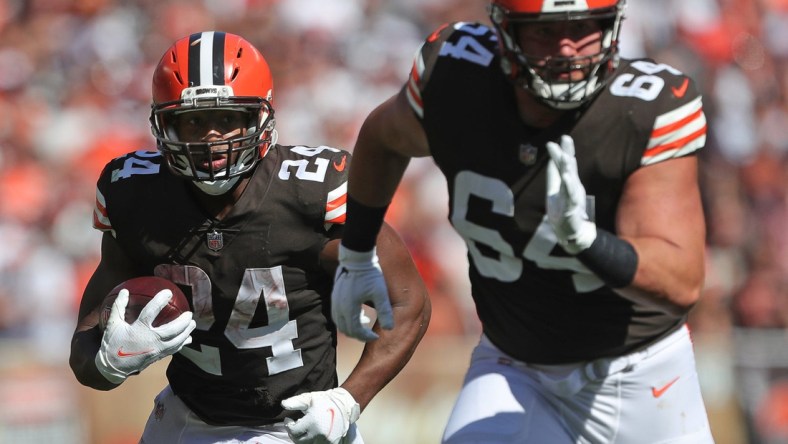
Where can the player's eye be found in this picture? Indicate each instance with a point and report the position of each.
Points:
(194, 122)
(582, 28)
(233, 119)
(189, 120)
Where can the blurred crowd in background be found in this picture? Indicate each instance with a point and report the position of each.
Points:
(75, 92)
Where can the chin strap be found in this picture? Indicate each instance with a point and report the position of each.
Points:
(217, 187)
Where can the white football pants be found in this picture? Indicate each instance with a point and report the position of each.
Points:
(171, 422)
(648, 397)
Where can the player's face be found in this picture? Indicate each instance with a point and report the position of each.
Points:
(212, 126)
(561, 50)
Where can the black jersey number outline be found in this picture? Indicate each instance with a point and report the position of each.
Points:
(256, 282)
(508, 267)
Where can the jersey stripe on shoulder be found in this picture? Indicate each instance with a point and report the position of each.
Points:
(413, 91)
(677, 133)
(101, 220)
(423, 62)
(336, 206)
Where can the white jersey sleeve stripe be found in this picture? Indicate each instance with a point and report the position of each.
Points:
(101, 220)
(412, 90)
(667, 122)
(336, 206)
(676, 133)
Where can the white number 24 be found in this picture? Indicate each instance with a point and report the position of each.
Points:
(278, 334)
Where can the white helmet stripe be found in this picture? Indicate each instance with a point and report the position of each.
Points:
(206, 59)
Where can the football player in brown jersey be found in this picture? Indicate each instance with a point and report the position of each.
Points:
(572, 178)
(250, 230)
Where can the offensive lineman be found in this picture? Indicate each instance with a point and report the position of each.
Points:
(572, 177)
(249, 229)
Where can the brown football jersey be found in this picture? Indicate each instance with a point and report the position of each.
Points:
(260, 297)
(536, 302)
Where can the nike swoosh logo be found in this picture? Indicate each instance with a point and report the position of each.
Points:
(341, 165)
(331, 411)
(123, 354)
(657, 392)
(681, 90)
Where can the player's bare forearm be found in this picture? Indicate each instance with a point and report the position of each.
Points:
(385, 357)
(390, 136)
(661, 215)
(84, 346)
(87, 336)
(374, 173)
(670, 277)
(113, 268)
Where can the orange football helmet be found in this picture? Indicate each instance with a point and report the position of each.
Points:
(213, 71)
(506, 15)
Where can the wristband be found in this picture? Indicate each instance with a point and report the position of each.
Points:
(611, 258)
(362, 225)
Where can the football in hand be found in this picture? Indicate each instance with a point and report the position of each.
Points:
(141, 291)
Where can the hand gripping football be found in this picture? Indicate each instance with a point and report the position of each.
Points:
(141, 291)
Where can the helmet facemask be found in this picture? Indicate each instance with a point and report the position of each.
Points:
(240, 149)
(228, 81)
(542, 76)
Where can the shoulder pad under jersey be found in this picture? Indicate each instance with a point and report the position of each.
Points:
(472, 42)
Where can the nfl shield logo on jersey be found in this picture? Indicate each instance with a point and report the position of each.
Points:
(215, 240)
(528, 154)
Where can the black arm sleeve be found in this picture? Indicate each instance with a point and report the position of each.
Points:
(611, 258)
(362, 225)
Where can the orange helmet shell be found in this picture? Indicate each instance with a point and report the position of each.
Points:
(551, 6)
(229, 60)
(213, 71)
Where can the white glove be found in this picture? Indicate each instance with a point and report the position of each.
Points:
(566, 199)
(359, 279)
(327, 416)
(130, 348)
